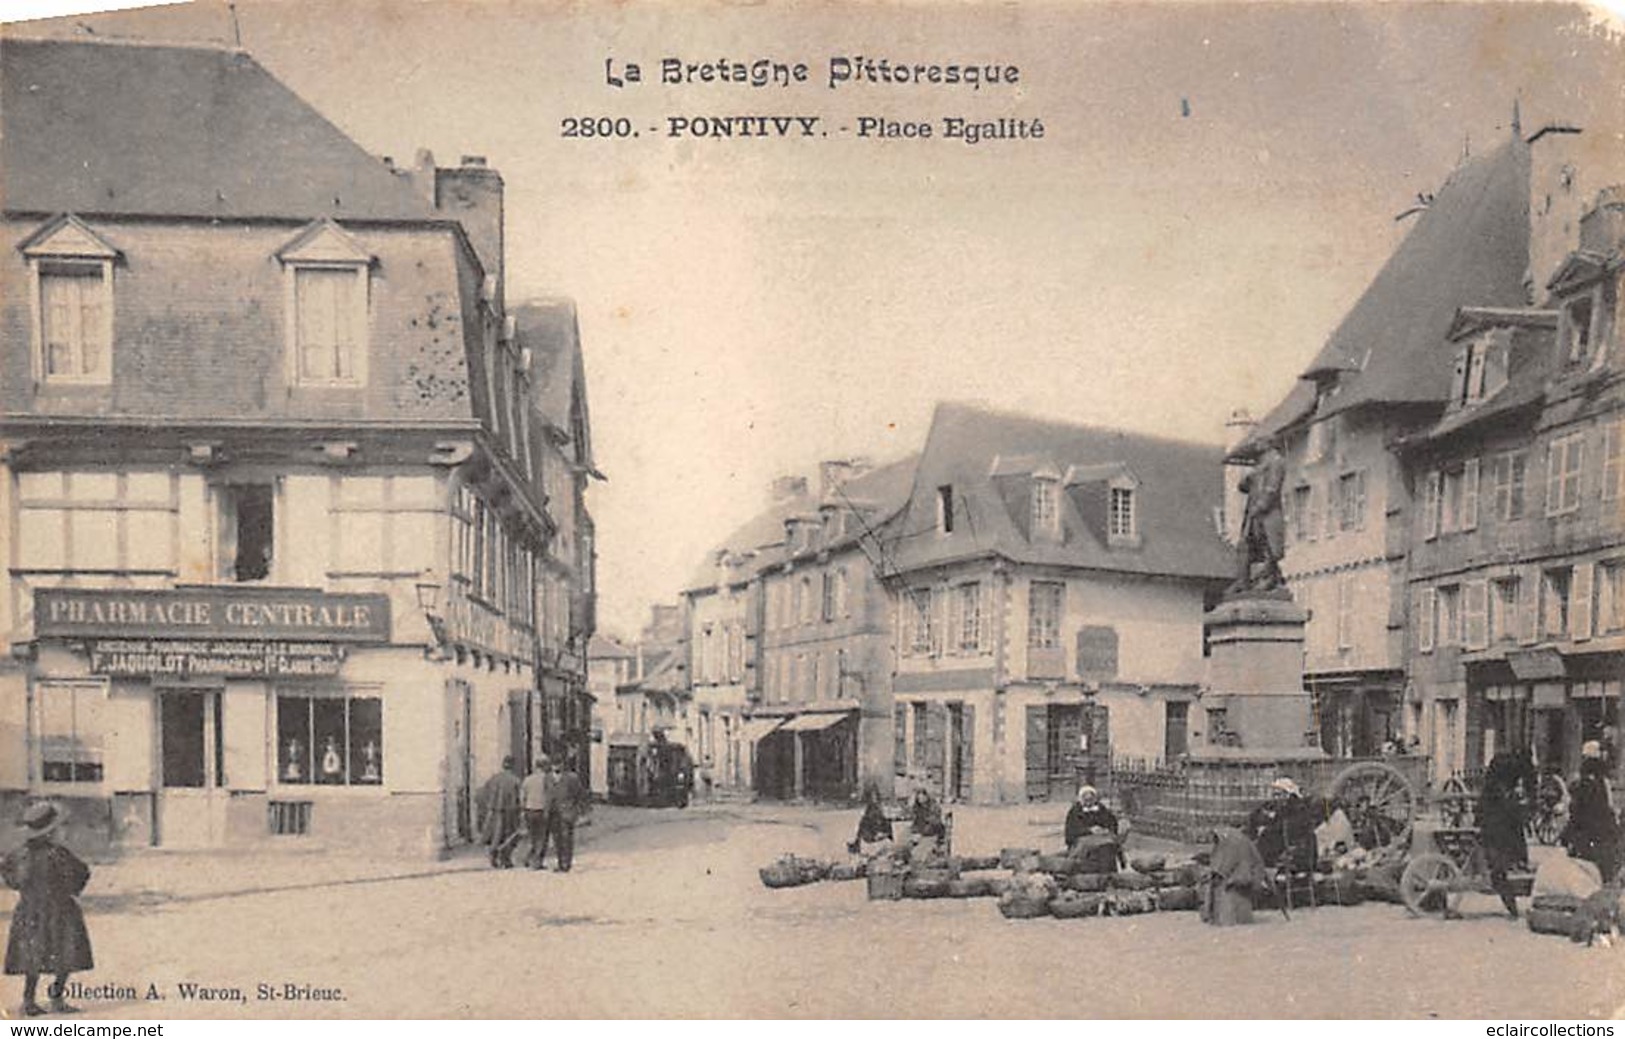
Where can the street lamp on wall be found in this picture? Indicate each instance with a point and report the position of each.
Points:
(428, 592)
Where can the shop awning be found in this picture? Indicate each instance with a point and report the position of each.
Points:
(754, 729)
(815, 722)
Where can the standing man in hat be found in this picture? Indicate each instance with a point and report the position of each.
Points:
(48, 933)
(499, 798)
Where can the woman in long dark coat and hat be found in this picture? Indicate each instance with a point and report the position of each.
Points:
(48, 933)
(1501, 822)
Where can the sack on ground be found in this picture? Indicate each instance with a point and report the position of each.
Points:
(1072, 905)
(1148, 862)
(886, 887)
(1057, 864)
(1130, 880)
(1552, 921)
(932, 886)
(1178, 899)
(1129, 903)
(1096, 853)
(1014, 906)
(971, 863)
(970, 887)
(1010, 858)
(1088, 882)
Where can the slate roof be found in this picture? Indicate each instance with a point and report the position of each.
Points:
(880, 493)
(145, 129)
(1531, 360)
(549, 328)
(1180, 484)
(602, 647)
(1470, 247)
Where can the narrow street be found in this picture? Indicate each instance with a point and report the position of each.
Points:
(664, 916)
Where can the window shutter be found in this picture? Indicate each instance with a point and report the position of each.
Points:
(1469, 496)
(1580, 602)
(1424, 619)
(1430, 506)
(1331, 507)
(939, 606)
(967, 753)
(1359, 485)
(1475, 615)
(1528, 606)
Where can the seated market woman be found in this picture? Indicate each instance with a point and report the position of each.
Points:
(1283, 828)
(925, 818)
(1088, 817)
(874, 829)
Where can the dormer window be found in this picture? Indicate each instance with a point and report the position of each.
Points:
(1046, 507)
(327, 288)
(72, 272)
(1122, 524)
(1577, 329)
(945, 508)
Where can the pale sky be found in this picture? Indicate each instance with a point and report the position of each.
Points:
(1216, 185)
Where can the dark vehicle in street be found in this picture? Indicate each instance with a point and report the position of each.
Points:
(649, 770)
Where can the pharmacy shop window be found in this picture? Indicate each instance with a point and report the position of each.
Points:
(329, 739)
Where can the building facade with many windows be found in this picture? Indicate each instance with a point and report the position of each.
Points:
(1049, 583)
(1518, 550)
(275, 537)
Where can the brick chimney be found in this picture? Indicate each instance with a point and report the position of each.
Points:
(833, 474)
(471, 193)
(787, 488)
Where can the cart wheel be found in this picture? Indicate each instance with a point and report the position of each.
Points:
(1429, 885)
(1387, 789)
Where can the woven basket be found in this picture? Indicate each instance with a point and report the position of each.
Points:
(847, 871)
(1148, 862)
(1554, 921)
(1070, 905)
(782, 874)
(885, 887)
(1014, 907)
(926, 887)
(1089, 882)
(1129, 880)
(1177, 899)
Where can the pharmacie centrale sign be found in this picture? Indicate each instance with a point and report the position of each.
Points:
(230, 659)
(245, 614)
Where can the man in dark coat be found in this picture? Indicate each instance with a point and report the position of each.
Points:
(1501, 824)
(1283, 828)
(499, 805)
(566, 803)
(48, 933)
(1592, 832)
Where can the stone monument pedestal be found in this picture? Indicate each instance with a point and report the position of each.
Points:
(1256, 676)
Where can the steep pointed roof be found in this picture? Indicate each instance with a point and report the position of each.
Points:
(552, 333)
(146, 129)
(1470, 247)
(1179, 487)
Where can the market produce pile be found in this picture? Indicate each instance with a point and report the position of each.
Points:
(1028, 884)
